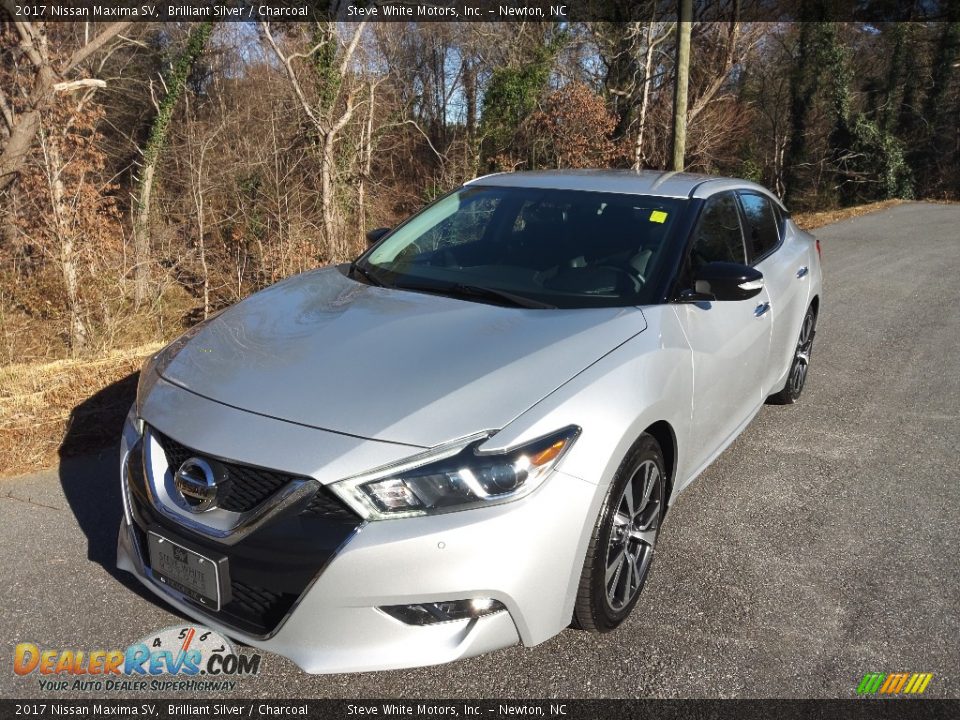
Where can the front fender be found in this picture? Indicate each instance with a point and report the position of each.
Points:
(646, 380)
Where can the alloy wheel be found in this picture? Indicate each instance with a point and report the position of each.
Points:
(633, 535)
(801, 359)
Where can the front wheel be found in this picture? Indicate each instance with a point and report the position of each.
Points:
(800, 365)
(623, 540)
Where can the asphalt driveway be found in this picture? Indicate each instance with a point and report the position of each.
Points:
(824, 544)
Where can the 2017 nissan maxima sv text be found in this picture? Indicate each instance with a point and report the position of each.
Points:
(467, 438)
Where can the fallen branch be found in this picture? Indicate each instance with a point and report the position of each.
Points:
(77, 84)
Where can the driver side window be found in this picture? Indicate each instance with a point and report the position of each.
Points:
(718, 236)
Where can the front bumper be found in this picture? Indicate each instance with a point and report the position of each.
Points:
(324, 636)
(526, 554)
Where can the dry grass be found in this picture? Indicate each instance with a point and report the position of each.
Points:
(64, 407)
(812, 220)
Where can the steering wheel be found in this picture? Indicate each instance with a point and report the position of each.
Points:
(636, 280)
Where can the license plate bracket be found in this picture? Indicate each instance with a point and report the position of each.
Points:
(195, 573)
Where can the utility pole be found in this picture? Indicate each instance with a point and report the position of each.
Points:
(685, 20)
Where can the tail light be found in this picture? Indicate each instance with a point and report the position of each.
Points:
(819, 251)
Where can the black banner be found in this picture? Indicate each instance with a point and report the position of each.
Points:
(874, 11)
(894, 709)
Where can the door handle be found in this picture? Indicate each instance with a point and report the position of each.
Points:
(761, 309)
(802, 272)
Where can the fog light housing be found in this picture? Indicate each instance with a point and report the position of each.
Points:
(446, 611)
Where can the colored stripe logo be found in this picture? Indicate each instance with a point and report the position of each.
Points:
(894, 683)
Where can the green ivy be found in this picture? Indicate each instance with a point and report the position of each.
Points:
(175, 80)
(512, 94)
(861, 148)
(751, 170)
(324, 60)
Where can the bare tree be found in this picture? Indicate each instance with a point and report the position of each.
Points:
(326, 112)
(198, 190)
(732, 45)
(655, 34)
(54, 166)
(48, 80)
(175, 82)
(365, 158)
(360, 126)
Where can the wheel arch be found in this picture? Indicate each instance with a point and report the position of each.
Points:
(666, 438)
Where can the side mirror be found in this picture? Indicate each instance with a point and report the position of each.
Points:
(374, 236)
(725, 281)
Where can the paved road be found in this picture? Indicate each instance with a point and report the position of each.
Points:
(823, 544)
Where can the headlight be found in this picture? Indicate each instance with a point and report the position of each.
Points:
(455, 477)
(155, 365)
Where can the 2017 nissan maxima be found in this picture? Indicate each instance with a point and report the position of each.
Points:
(467, 438)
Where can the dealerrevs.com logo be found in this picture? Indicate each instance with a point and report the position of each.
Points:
(175, 658)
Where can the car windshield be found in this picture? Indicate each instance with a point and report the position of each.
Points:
(530, 247)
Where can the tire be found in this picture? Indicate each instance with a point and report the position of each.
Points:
(623, 540)
(799, 367)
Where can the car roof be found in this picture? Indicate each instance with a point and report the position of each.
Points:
(634, 182)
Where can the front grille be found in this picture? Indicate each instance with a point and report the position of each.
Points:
(327, 505)
(248, 487)
(255, 609)
(270, 568)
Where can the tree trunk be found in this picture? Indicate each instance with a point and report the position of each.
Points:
(620, 41)
(366, 161)
(470, 97)
(24, 130)
(330, 229)
(27, 124)
(176, 82)
(201, 229)
(638, 155)
(198, 204)
(804, 85)
(326, 122)
(941, 130)
(53, 160)
(682, 83)
(141, 234)
(894, 83)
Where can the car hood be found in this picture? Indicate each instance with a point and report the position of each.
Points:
(325, 351)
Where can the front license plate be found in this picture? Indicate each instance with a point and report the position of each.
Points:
(188, 572)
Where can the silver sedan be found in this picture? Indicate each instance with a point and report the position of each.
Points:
(470, 436)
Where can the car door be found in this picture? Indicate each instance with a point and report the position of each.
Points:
(729, 340)
(784, 274)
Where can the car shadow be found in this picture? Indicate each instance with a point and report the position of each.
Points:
(89, 472)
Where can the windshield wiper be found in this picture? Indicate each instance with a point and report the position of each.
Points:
(354, 268)
(502, 297)
(494, 294)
